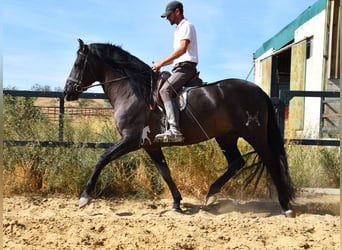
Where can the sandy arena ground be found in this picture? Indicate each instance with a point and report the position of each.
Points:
(58, 223)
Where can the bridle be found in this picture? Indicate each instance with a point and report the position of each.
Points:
(77, 81)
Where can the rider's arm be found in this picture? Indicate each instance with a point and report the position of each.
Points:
(174, 55)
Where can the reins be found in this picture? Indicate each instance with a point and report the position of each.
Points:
(104, 83)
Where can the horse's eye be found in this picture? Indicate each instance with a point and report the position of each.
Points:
(78, 62)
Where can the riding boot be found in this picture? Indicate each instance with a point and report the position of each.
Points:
(173, 134)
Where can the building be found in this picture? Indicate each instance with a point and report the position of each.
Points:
(305, 55)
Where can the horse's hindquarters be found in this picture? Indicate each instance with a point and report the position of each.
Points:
(226, 106)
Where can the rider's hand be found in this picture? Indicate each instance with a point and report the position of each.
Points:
(156, 66)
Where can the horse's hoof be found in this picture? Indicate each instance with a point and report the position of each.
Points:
(290, 213)
(176, 207)
(210, 200)
(84, 200)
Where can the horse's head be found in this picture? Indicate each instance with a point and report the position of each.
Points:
(81, 75)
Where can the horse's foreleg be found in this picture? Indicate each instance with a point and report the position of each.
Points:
(228, 144)
(158, 159)
(122, 147)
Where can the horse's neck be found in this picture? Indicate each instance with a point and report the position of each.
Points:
(118, 92)
(110, 77)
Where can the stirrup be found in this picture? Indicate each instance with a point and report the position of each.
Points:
(169, 137)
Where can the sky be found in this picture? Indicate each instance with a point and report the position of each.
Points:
(39, 41)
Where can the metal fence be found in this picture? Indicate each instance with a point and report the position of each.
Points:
(284, 100)
(279, 103)
(60, 142)
(52, 112)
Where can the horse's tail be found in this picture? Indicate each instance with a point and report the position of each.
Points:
(276, 143)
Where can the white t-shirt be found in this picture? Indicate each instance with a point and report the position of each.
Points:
(186, 30)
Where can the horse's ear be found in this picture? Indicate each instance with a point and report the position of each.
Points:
(81, 43)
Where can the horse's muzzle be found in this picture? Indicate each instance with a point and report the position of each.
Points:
(70, 94)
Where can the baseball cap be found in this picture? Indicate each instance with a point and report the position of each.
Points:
(171, 7)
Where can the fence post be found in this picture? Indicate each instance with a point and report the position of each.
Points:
(279, 109)
(284, 99)
(61, 118)
(281, 112)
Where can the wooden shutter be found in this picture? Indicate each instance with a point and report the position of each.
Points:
(266, 71)
(297, 82)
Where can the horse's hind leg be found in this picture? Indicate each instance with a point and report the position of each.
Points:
(228, 145)
(277, 167)
(158, 159)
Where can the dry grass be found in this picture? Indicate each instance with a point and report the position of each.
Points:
(194, 168)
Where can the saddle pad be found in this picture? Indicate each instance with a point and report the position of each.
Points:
(183, 96)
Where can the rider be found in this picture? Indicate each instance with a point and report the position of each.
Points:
(184, 59)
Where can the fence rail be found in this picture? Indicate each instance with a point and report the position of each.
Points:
(280, 104)
(284, 100)
(73, 112)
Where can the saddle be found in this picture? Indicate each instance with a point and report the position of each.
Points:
(182, 96)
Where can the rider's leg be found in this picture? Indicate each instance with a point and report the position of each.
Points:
(173, 134)
(167, 93)
(181, 75)
(172, 114)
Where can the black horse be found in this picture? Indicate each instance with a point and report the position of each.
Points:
(224, 110)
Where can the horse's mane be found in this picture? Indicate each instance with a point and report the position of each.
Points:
(127, 64)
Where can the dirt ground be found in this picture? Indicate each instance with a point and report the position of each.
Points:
(58, 223)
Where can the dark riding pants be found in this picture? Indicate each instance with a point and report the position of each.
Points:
(182, 73)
